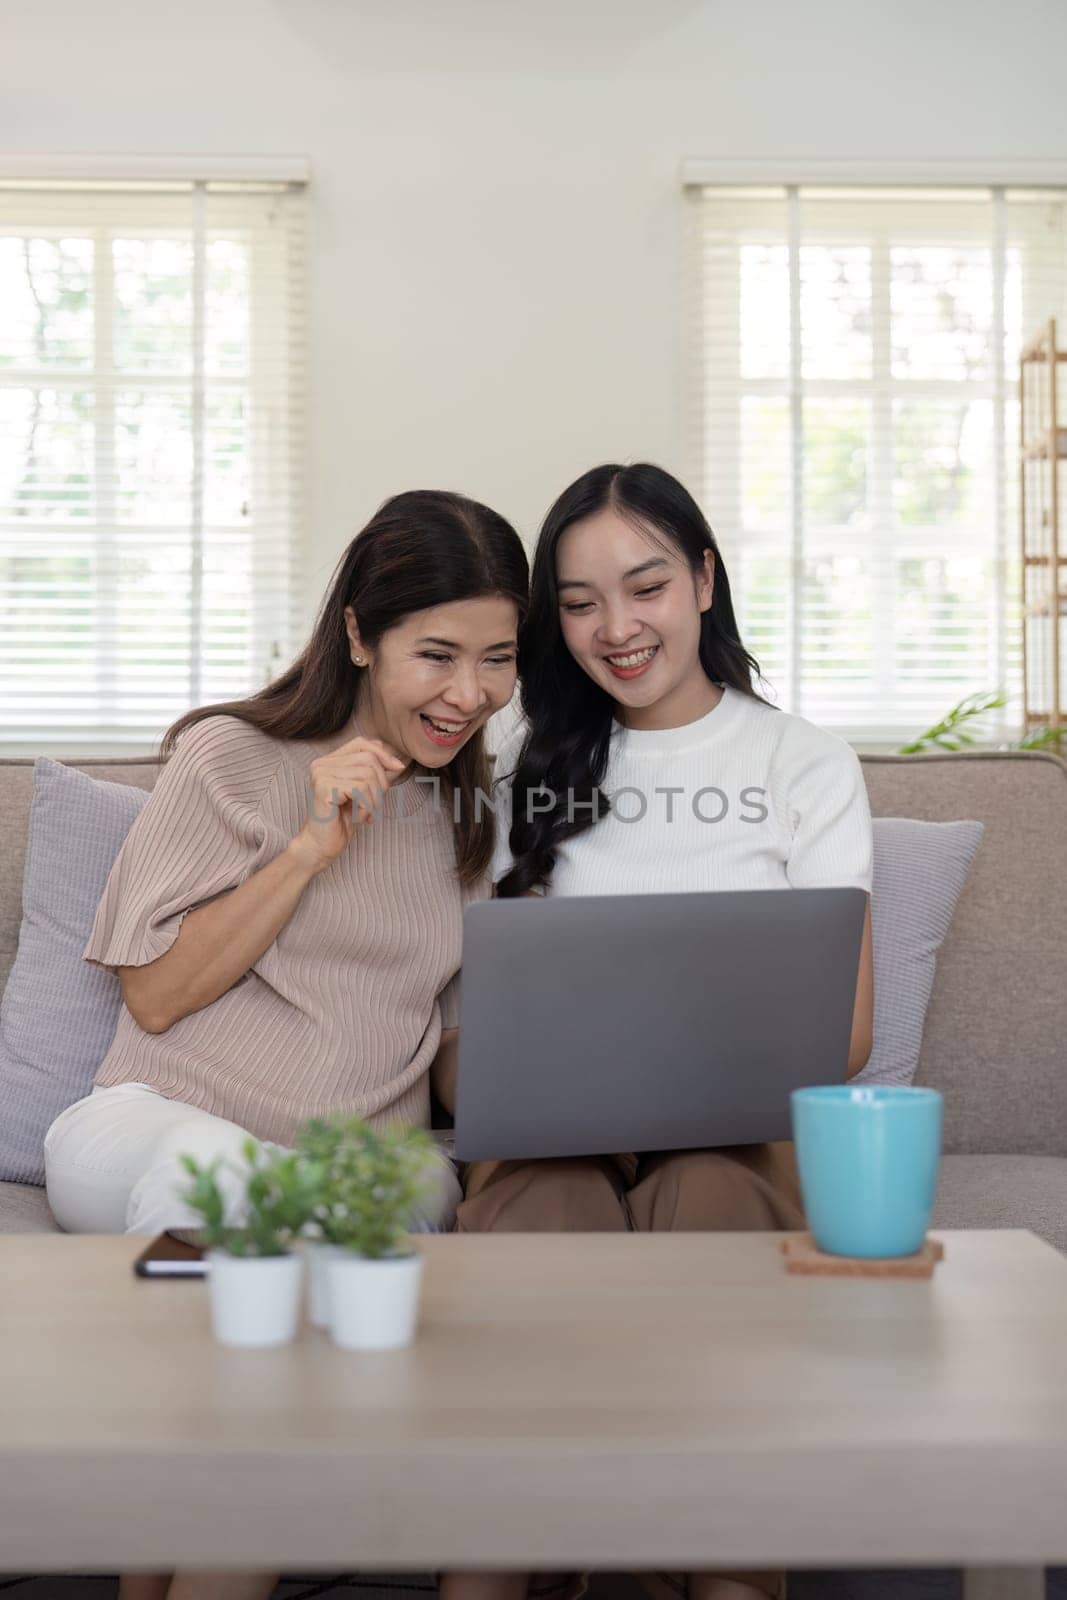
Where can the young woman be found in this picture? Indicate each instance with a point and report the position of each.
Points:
(669, 773)
(285, 915)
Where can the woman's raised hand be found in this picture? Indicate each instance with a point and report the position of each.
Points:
(347, 787)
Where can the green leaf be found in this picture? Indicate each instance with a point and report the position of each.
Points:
(366, 1183)
(956, 729)
(278, 1202)
(344, 1182)
(1044, 738)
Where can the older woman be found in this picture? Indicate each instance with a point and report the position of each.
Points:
(285, 915)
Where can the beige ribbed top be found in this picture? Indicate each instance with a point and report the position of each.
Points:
(344, 1011)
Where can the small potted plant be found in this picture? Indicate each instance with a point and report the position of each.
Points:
(370, 1185)
(253, 1273)
(317, 1143)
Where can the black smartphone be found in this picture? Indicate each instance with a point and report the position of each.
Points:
(168, 1257)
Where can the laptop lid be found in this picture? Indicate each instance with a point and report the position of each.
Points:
(612, 1023)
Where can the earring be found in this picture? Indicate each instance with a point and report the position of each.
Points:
(359, 661)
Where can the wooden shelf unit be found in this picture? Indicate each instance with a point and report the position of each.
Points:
(1043, 529)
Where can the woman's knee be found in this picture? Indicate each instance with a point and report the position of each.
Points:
(435, 1209)
(569, 1195)
(89, 1168)
(157, 1200)
(707, 1191)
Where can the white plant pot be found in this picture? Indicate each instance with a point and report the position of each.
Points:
(319, 1255)
(255, 1300)
(374, 1305)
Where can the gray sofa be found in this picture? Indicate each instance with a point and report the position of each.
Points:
(996, 1031)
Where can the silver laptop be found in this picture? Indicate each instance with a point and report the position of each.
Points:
(650, 1022)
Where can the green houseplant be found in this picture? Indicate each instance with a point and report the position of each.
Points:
(254, 1275)
(366, 1185)
(317, 1143)
(964, 728)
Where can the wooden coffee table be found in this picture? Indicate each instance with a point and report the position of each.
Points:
(578, 1400)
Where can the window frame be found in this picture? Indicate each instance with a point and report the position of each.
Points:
(275, 449)
(881, 390)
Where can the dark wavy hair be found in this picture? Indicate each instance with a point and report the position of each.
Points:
(569, 716)
(420, 549)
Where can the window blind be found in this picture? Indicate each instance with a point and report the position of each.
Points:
(151, 439)
(854, 427)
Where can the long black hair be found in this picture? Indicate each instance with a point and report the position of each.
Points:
(569, 716)
(421, 549)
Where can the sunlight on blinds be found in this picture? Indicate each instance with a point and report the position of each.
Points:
(151, 439)
(854, 429)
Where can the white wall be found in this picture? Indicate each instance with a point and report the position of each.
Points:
(495, 300)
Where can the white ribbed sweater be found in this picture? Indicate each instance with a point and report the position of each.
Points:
(763, 800)
(343, 1012)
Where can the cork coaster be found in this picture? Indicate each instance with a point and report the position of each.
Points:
(803, 1255)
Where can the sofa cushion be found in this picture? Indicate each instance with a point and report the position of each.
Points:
(919, 871)
(993, 1042)
(24, 1209)
(16, 795)
(994, 1038)
(1004, 1192)
(58, 1013)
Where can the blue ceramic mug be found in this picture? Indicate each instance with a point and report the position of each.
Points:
(867, 1158)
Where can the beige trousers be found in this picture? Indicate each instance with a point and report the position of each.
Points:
(742, 1189)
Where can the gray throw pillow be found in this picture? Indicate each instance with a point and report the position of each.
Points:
(59, 1013)
(919, 872)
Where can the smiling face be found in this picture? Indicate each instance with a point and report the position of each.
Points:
(432, 681)
(630, 610)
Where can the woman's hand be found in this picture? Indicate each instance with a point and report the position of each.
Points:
(363, 769)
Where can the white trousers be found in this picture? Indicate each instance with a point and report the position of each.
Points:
(112, 1165)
